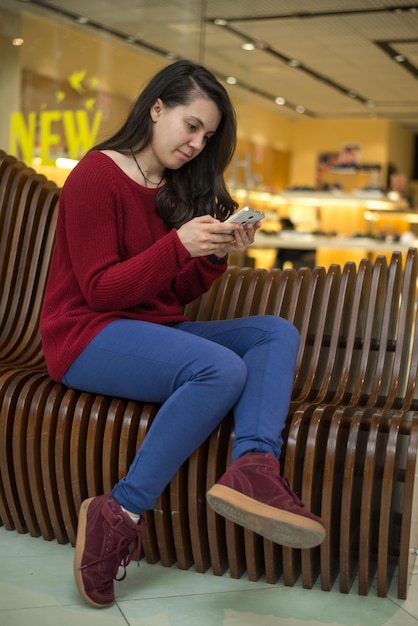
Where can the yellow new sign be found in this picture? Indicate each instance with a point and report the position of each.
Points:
(50, 133)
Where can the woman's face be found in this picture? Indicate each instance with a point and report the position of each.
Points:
(180, 133)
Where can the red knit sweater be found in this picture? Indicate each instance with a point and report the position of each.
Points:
(114, 258)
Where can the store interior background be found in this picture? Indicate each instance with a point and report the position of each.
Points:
(70, 70)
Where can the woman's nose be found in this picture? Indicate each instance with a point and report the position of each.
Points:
(197, 142)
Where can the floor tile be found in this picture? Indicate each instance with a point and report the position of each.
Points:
(410, 605)
(150, 581)
(76, 615)
(265, 607)
(35, 574)
(37, 589)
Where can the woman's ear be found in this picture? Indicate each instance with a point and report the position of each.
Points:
(156, 109)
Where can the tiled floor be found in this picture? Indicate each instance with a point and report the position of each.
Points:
(37, 589)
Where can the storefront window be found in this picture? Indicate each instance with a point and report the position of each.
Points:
(65, 86)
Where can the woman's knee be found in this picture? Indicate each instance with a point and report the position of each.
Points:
(279, 328)
(230, 372)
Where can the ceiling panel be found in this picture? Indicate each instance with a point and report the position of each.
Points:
(342, 46)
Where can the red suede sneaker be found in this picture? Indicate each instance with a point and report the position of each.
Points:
(105, 536)
(252, 494)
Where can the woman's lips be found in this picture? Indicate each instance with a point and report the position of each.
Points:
(184, 155)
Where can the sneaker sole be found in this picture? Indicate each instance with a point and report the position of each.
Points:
(78, 555)
(277, 525)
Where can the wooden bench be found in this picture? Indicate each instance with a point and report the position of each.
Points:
(350, 442)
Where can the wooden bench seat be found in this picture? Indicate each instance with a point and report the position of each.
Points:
(350, 442)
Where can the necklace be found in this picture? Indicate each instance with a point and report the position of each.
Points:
(147, 180)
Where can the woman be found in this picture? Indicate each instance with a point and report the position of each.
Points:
(140, 233)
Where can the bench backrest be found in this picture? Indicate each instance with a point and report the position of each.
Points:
(359, 343)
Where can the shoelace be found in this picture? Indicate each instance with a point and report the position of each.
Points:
(123, 555)
(122, 548)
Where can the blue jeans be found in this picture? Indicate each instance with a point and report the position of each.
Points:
(198, 371)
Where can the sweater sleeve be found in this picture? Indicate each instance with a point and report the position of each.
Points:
(117, 264)
(197, 278)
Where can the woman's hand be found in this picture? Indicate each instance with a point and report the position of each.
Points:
(205, 235)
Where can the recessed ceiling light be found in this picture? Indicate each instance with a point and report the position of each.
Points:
(293, 63)
(83, 20)
(18, 41)
(248, 46)
(279, 100)
(231, 80)
(300, 109)
(220, 22)
(399, 58)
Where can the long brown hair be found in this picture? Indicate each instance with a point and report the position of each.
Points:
(198, 187)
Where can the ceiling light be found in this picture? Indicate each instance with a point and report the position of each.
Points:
(352, 93)
(231, 80)
(248, 46)
(399, 58)
(280, 101)
(220, 22)
(300, 109)
(83, 20)
(18, 41)
(293, 63)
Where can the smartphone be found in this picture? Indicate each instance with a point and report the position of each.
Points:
(246, 216)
